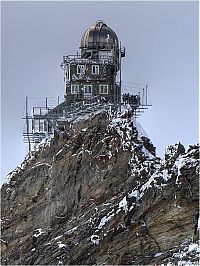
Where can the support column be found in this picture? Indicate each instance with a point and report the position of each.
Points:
(27, 125)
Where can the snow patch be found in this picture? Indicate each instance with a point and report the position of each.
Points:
(56, 238)
(105, 219)
(40, 232)
(95, 239)
(134, 193)
(165, 175)
(147, 153)
(60, 245)
(158, 254)
(193, 248)
(182, 162)
(59, 152)
(41, 164)
(71, 230)
(123, 204)
(187, 263)
(148, 184)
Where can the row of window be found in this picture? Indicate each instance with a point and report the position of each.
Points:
(103, 89)
(81, 69)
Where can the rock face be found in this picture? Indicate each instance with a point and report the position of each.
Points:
(97, 194)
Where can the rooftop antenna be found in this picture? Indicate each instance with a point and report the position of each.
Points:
(146, 95)
(27, 125)
(120, 77)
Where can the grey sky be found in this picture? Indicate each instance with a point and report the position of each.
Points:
(161, 40)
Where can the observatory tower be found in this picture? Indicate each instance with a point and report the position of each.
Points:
(93, 83)
(96, 70)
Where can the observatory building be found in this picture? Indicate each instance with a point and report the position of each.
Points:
(94, 71)
(93, 83)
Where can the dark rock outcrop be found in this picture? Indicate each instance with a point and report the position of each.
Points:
(97, 194)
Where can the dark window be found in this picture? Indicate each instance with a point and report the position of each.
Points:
(81, 69)
(87, 88)
(95, 69)
(74, 88)
(103, 89)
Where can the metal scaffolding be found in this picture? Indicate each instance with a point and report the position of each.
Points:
(42, 120)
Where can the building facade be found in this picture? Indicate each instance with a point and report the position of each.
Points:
(96, 70)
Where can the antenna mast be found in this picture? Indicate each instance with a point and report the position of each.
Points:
(120, 78)
(27, 125)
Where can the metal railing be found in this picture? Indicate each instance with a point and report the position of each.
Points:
(77, 59)
(70, 112)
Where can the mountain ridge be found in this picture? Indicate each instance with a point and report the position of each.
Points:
(97, 194)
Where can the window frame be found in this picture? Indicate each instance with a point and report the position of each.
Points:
(77, 86)
(104, 86)
(87, 85)
(81, 68)
(96, 72)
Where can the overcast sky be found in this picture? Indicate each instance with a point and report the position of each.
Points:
(161, 40)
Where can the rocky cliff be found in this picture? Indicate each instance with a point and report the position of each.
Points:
(97, 194)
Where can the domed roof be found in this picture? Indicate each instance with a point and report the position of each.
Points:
(99, 36)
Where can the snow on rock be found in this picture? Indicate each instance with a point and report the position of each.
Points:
(183, 162)
(41, 164)
(145, 172)
(38, 232)
(16, 171)
(187, 263)
(109, 155)
(165, 175)
(61, 245)
(45, 142)
(56, 238)
(123, 204)
(70, 231)
(147, 153)
(193, 248)
(59, 152)
(105, 219)
(158, 254)
(134, 193)
(151, 182)
(186, 254)
(193, 150)
(95, 239)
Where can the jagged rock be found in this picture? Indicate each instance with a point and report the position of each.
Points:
(97, 194)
